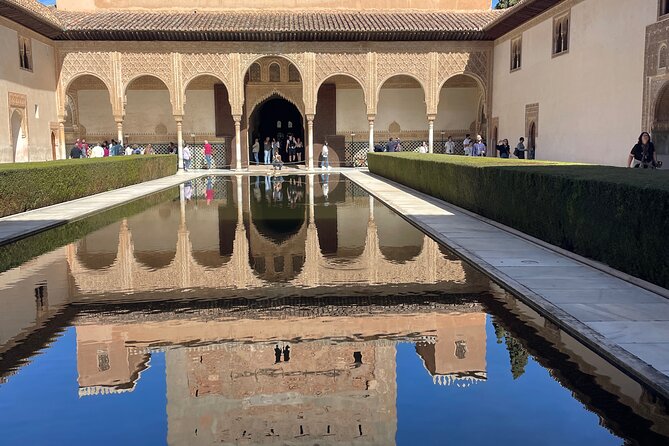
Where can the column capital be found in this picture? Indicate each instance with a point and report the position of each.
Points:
(237, 118)
(179, 118)
(118, 118)
(371, 117)
(431, 117)
(310, 117)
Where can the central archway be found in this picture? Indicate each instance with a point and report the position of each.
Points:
(277, 118)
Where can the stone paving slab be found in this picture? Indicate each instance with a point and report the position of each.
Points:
(623, 322)
(15, 227)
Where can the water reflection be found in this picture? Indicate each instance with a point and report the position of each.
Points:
(295, 310)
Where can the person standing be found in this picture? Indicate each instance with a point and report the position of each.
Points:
(208, 152)
(519, 151)
(503, 148)
(422, 148)
(275, 147)
(187, 157)
(449, 146)
(267, 148)
(292, 149)
(325, 153)
(148, 150)
(256, 151)
(85, 149)
(75, 153)
(97, 151)
(299, 148)
(643, 153)
(467, 144)
(479, 148)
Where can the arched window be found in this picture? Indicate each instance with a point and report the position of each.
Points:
(254, 73)
(561, 35)
(275, 73)
(293, 73)
(516, 53)
(662, 57)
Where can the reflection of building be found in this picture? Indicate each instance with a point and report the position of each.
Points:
(240, 248)
(224, 386)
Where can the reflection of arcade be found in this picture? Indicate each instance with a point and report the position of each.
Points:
(268, 237)
(222, 390)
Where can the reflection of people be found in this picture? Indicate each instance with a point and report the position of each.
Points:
(209, 194)
(286, 354)
(326, 185)
(188, 190)
(277, 355)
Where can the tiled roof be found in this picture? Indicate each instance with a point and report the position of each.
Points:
(275, 25)
(264, 25)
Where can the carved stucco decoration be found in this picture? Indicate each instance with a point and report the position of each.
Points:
(416, 65)
(213, 64)
(158, 65)
(257, 94)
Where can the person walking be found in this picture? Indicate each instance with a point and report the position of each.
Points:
(325, 152)
(449, 146)
(187, 157)
(208, 152)
(643, 153)
(256, 151)
(519, 151)
(267, 148)
(467, 144)
(479, 148)
(503, 148)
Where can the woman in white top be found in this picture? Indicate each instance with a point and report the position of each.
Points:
(449, 145)
(325, 164)
(187, 157)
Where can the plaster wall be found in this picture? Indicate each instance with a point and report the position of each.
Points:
(39, 88)
(590, 99)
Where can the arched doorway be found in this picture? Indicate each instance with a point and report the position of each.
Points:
(17, 136)
(460, 112)
(275, 118)
(531, 141)
(660, 126)
(88, 111)
(401, 112)
(53, 146)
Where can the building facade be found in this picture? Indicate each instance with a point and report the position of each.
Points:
(350, 73)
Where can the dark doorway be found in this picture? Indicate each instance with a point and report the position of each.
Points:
(275, 118)
(532, 141)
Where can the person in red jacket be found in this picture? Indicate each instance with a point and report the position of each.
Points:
(208, 152)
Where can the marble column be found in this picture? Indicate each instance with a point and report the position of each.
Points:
(370, 119)
(61, 139)
(430, 129)
(119, 128)
(310, 142)
(180, 140)
(238, 141)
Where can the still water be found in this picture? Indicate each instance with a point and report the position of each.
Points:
(286, 311)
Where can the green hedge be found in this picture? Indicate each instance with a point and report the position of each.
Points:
(27, 186)
(613, 215)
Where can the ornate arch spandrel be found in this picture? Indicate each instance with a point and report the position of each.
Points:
(218, 65)
(352, 65)
(157, 65)
(415, 65)
(77, 64)
(288, 95)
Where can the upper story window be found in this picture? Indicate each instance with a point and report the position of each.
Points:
(561, 34)
(254, 73)
(662, 57)
(516, 53)
(293, 73)
(663, 8)
(25, 53)
(275, 73)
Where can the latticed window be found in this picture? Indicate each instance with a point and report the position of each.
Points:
(25, 54)
(561, 35)
(662, 57)
(275, 73)
(103, 361)
(293, 73)
(254, 73)
(516, 50)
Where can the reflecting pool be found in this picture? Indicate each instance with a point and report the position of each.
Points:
(290, 310)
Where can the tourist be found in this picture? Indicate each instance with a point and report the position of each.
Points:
(277, 163)
(503, 148)
(286, 354)
(422, 148)
(128, 150)
(138, 150)
(76, 153)
(148, 150)
(85, 148)
(449, 146)
(117, 148)
(97, 151)
(467, 144)
(390, 147)
(643, 153)
(479, 148)
(277, 355)
(267, 148)
(519, 151)
(291, 146)
(106, 150)
(398, 145)
(186, 157)
(208, 152)
(275, 148)
(171, 148)
(256, 150)
(299, 148)
(325, 153)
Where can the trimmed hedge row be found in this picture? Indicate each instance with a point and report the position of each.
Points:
(616, 216)
(19, 252)
(27, 186)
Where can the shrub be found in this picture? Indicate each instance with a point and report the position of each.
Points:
(27, 186)
(613, 215)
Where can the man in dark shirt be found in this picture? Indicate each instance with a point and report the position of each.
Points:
(76, 152)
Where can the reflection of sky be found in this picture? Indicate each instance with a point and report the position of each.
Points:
(41, 405)
(532, 410)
